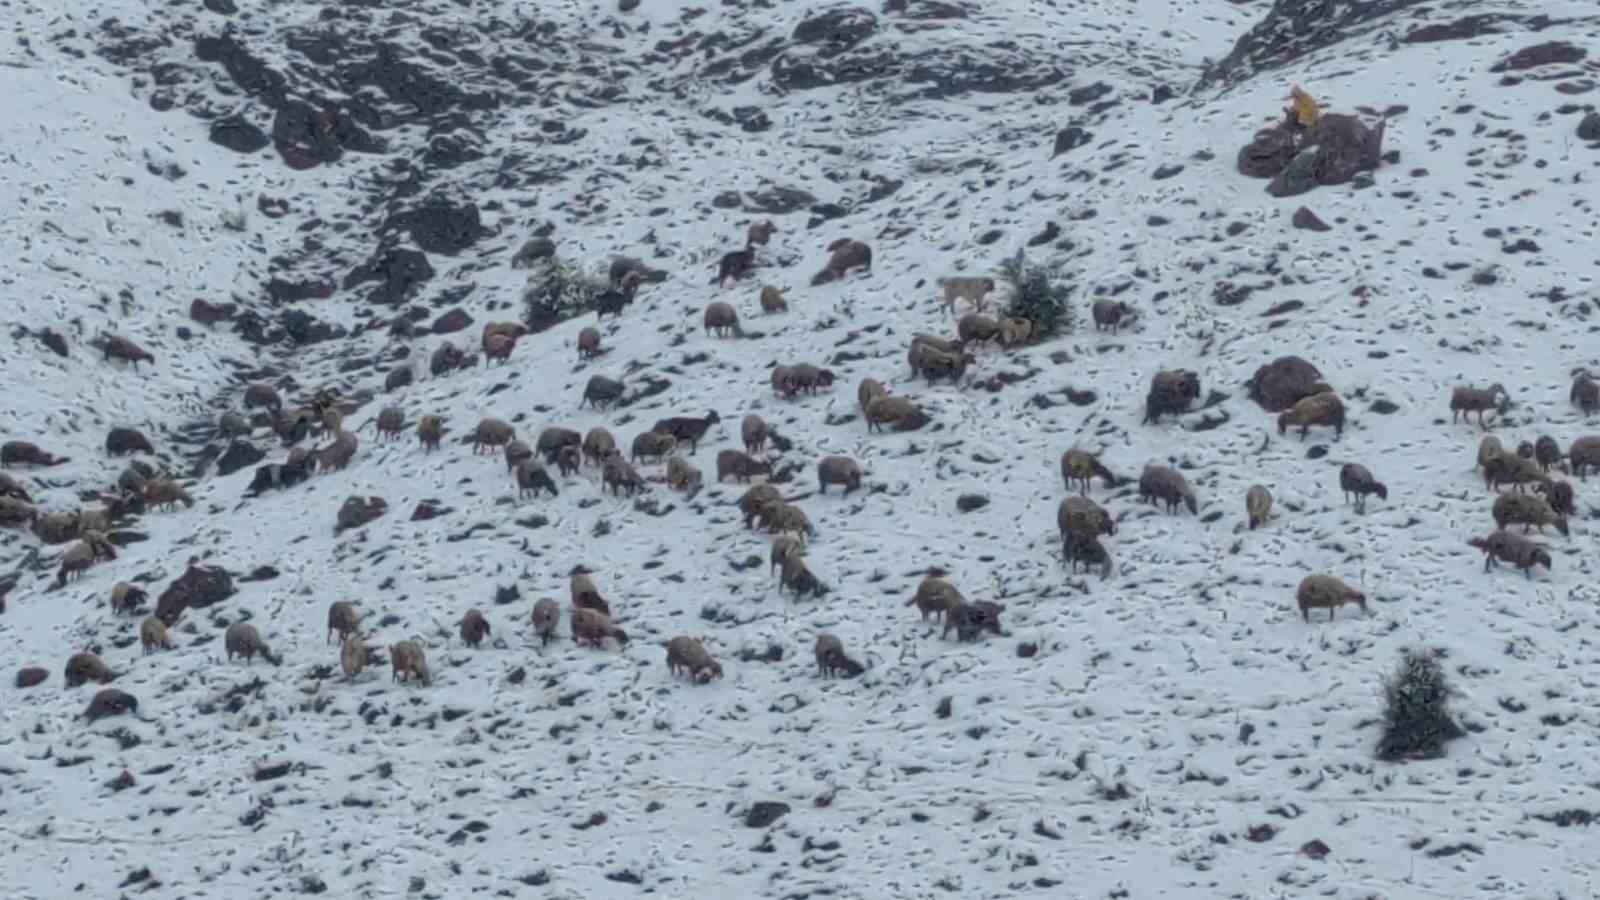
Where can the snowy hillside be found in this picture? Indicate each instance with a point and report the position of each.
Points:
(356, 178)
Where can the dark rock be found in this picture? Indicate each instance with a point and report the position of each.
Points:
(1027, 649)
(399, 377)
(764, 813)
(1588, 130)
(1307, 220)
(1315, 849)
(306, 137)
(837, 29)
(110, 702)
(237, 134)
(282, 291)
(1070, 138)
(534, 250)
(1162, 94)
(240, 454)
(197, 588)
(1087, 93)
(440, 226)
(1162, 173)
(1282, 383)
(51, 339)
(970, 502)
(451, 322)
(1549, 53)
(305, 329)
(1333, 151)
(1267, 154)
(221, 7)
(504, 595)
(778, 201)
(1051, 232)
(1383, 407)
(398, 271)
(260, 573)
(1292, 31)
(428, 509)
(30, 676)
(358, 511)
(627, 5)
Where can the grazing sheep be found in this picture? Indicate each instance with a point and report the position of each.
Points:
(783, 547)
(759, 233)
(689, 654)
(1559, 495)
(1514, 470)
(162, 492)
(1083, 466)
(970, 620)
(209, 314)
(929, 362)
(430, 431)
(901, 412)
(796, 576)
(1171, 391)
(589, 342)
(242, 639)
(779, 517)
(756, 499)
(772, 300)
(947, 345)
(807, 377)
(491, 433)
(122, 441)
(740, 465)
(15, 513)
(446, 358)
(338, 454)
(838, 470)
(735, 265)
(79, 556)
(831, 658)
(124, 349)
(687, 429)
(1503, 546)
(546, 616)
(1326, 592)
(974, 327)
(552, 439)
(57, 528)
(1469, 400)
(1078, 547)
(935, 596)
(1285, 381)
(1547, 453)
(597, 445)
(753, 431)
(84, 667)
(1319, 409)
(1585, 393)
(332, 420)
(584, 594)
(110, 702)
(532, 477)
(127, 598)
(617, 473)
(1257, 505)
(722, 319)
(1488, 449)
(1168, 485)
(601, 391)
(10, 487)
(354, 655)
(133, 477)
(1110, 313)
(1584, 455)
(592, 627)
(391, 423)
(973, 289)
(681, 476)
(474, 627)
(234, 425)
(292, 429)
(399, 377)
(26, 453)
(1015, 331)
(1355, 479)
(153, 635)
(406, 658)
(612, 300)
(653, 444)
(847, 254)
(344, 618)
(870, 389)
(1528, 511)
(512, 330)
(263, 395)
(1080, 515)
(568, 461)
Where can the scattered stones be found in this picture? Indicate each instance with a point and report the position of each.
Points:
(31, 676)
(1588, 128)
(764, 813)
(358, 511)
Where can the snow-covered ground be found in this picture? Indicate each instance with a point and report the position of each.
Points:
(1179, 732)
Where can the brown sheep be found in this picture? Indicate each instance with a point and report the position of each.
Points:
(391, 423)
(735, 264)
(1527, 510)
(512, 330)
(970, 620)
(681, 476)
(16, 513)
(974, 289)
(759, 233)
(831, 658)
(552, 439)
(601, 391)
(870, 389)
(532, 477)
(1167, 485)
(781, 382)
(901, 412)
(344, 618)
(354, 655)
(264, 395)
(1082, 466)
(935, 596)
(756, 499)
(120, 441)
(687, 429)
(722, 319)
(1171, 391)
(589, 342)
(753, 431)
(947, 345)
(10, 487)
(847, 254)
(1547, 453)
(1257, 505)
(797, 577)
(1511, 469)
(491, 433)
(650, 444)
(162, 492)
(430, 431)
(153, 635)
(929, 362)
(613, 299)
(1110, 314)
(617, 473)
(1015, 331)
(592, 627)
(85, 667)
(57, 528)
(126, 598)
(1585, 393)
(26, 453)
(1488, 449)
(807, 377)
(838, 470)
(1559, 495)
(546, 616)
(110, 702)
(1326, 592)
(1080, 515)
(597, 445)
(783, 547)
(124, 349)
(406, 657)
(1356, 480)
(79, 556)
(338, 453)
(740, 465)
(1584, 455)
(1319, 409)
(975, 327)
(689, 655)
(772, 300)
(568, 461)
(242, 639)
(234, 425)
(516, 452)
(1469, 400)
(779, 517)
(1503, 546)
(1078, 547)
(474, 627)
(584, 594)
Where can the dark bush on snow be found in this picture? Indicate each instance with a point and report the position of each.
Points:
(555, 293)
(1039, 295)
(1416, 720)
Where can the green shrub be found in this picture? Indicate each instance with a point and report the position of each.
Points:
(1416, 719)
(555, 293)
(1040, 295)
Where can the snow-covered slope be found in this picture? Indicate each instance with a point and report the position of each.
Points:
(1179, 730)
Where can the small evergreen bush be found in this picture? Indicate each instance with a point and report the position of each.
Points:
(1039, 295)
(555, 293)
(1416, 719)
